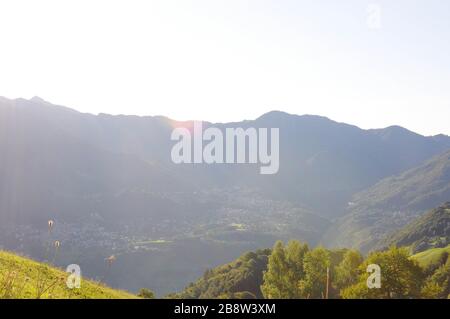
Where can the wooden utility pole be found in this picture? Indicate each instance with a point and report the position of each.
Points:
(328, 283)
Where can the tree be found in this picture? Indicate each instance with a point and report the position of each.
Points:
(274, 286)
(146, 294)
(358, 291)
(238, 295)
(347, 271)
(441, 279)
(432, 290)
(295, 254)
(401, 277)
(284, 271)
(316, 263)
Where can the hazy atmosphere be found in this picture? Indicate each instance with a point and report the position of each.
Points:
(208, 149)
(362, 62)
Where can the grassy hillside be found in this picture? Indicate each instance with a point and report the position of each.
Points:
(430, 256)
(24, 278)
(431, 230)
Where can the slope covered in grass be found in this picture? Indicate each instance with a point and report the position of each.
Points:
(430, 256)
(21, 277)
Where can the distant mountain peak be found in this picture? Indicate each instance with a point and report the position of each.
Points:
(275, 114)
(442, 138)
(394, 130)
(281, 115)
(38, 99)
(4, 99)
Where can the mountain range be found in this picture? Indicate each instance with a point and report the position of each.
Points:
(111, 178)
(79, 155)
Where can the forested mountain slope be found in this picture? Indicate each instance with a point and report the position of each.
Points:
(391, 204)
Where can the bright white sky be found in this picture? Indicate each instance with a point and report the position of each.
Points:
(233, 59)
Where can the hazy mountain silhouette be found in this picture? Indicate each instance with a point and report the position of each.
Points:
(56, 160)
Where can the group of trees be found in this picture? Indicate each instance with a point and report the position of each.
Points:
(240, 279)
(296, 271)
(146, 293)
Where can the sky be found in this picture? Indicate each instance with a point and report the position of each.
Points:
(367, 63)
